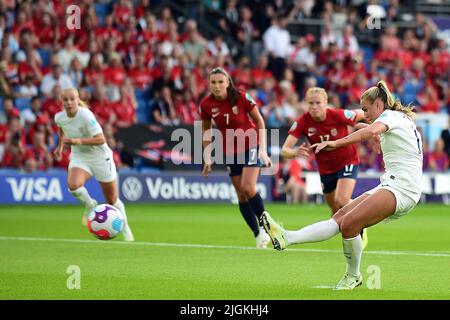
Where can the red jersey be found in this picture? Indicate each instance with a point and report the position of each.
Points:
(235, 117)
(332, 128)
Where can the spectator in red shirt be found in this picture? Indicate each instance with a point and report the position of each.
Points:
(185, 107)
(356, 89)
(42, 125)
(242, 76)
(429, 100)
(23, 22)
(140, 74)
(31, 66)
(14, 147)
(122, 11)
(94, 70)
(150, 32)
(141, 7)
(438, 160)
(53, 104)
(101, 106)
(46, 32)
(38, 152)
(108, 31)
(260, 72)
(9, 109)
(114, 73)
(128, 44)
(125, 108)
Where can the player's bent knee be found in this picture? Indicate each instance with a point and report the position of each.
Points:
(248, 190)
(349, 228)
(241, 197)
(74, 186)
(339, 215)
(340, 202)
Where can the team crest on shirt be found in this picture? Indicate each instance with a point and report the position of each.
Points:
(312, 131)
(334, 132)
(215, 110)
(235, 110)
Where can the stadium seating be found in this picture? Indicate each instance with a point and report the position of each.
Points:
(45, 56)
(22, 103)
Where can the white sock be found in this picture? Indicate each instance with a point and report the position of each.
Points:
(82, 195)
(315, 232)
(352, 251)
(120, 206)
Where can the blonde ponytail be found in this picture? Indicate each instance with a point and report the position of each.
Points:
(83, 104)
(382, 91)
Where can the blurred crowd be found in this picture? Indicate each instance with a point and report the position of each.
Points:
(141, 62)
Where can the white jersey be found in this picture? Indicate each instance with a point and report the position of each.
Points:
(402, 153)
(83, 125)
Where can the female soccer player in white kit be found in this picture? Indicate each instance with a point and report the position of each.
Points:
(90, 155)
(397, 194)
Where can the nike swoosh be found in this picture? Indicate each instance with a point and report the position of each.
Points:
(215, 114)
(346, 174)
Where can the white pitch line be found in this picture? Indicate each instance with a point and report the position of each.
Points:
(211, 246)
(322, 287)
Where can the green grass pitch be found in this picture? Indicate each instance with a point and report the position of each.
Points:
(207, 252)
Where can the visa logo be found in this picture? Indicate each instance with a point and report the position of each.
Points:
(35, 189)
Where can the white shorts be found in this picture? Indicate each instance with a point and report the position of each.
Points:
(404, 204)
(103, 169)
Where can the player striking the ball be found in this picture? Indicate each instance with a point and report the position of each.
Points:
(396, 195)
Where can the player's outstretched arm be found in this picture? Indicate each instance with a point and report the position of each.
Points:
(288, 151)
(369, 132)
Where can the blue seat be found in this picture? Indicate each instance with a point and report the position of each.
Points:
(368, 55)
(102, 9)
(45, 56)
(141, 94)
(23, 103)
(142, 105)
(142, 116)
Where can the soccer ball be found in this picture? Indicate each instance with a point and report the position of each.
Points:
(105, 222)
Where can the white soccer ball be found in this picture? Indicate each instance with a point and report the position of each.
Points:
(105, 222)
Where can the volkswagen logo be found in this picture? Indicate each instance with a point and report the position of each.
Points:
(132, 188)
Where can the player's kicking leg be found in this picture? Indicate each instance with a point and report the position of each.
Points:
(76, 179)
